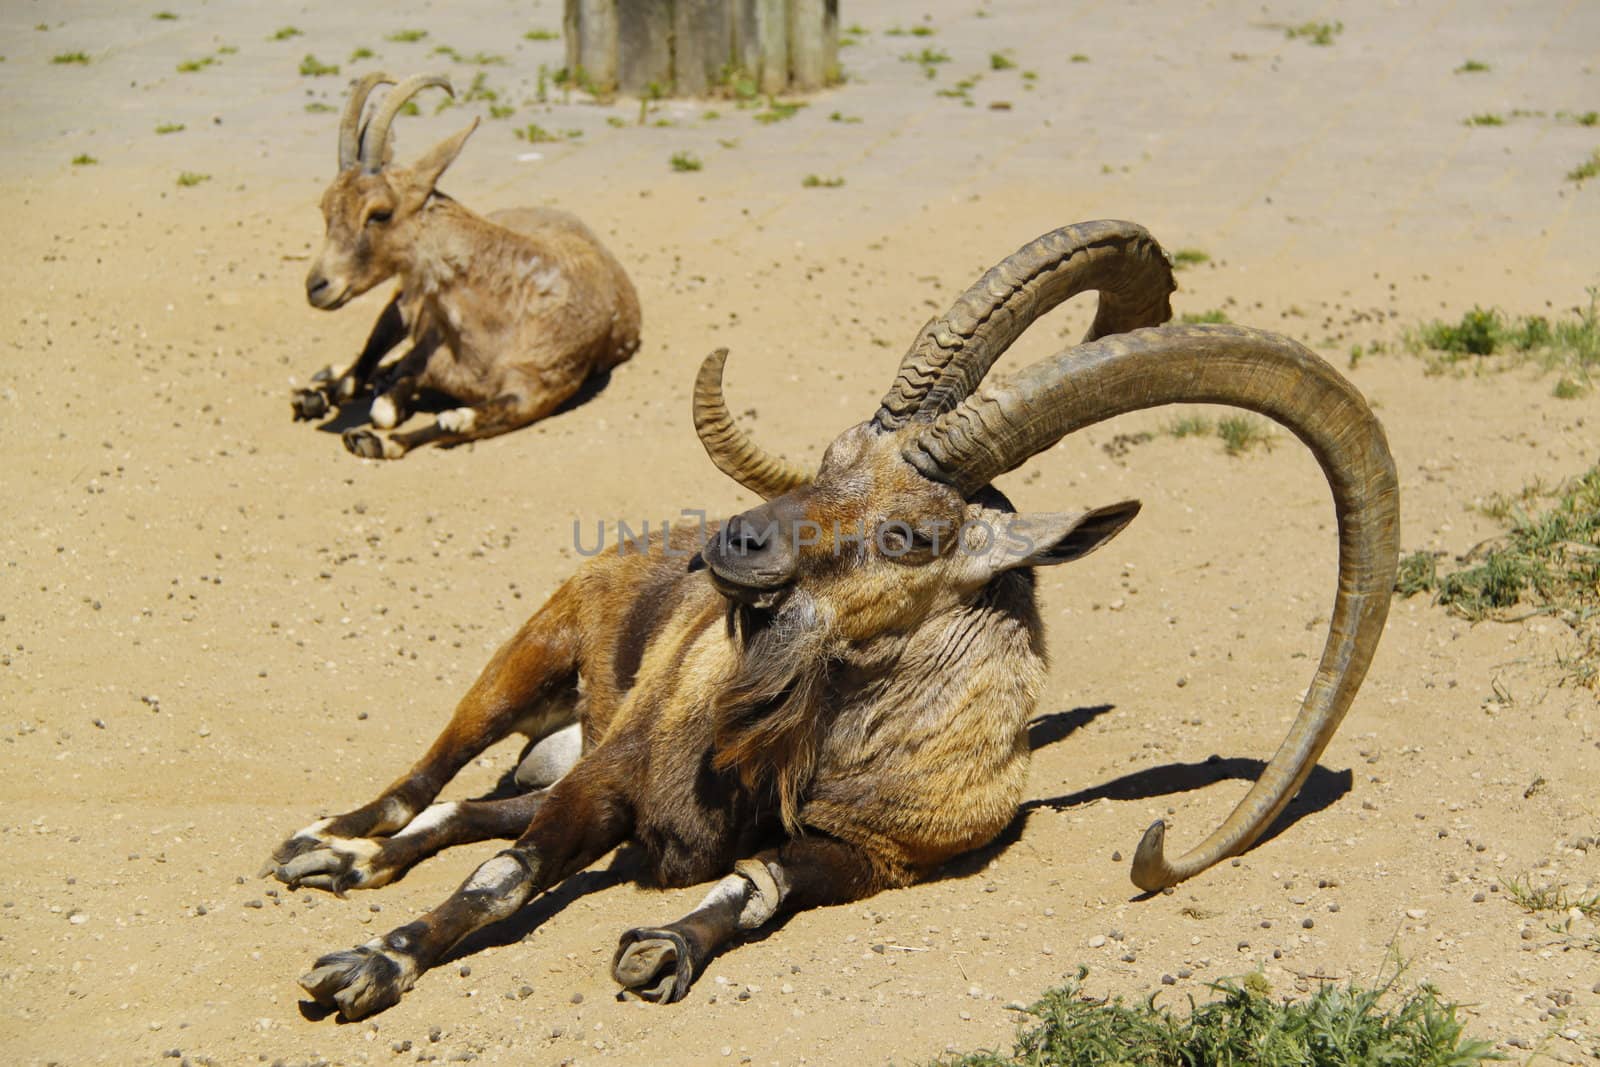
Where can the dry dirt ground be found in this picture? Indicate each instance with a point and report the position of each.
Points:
(216, 624)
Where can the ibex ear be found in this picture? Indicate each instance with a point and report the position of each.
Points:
(1043, 540)
(436, 160)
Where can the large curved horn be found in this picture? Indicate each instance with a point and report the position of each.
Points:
(729, 447)
(375, 141)
(1000, 426)
(350, 121)
(953, 353)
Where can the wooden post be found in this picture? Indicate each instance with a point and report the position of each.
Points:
(590, 27)
(685, 47)
(703, 45)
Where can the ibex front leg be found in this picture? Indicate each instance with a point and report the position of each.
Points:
(660, 963)
(503, 414)
(333, 392)
(584, 816)
(527, 686)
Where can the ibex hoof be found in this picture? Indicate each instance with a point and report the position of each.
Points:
(358, 982)
(368, 445)
(309, 404)
(654, 965)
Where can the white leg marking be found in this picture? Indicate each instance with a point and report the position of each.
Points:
(436, 815)
(501, 873)
(384, 415)
(551, 758)
(458, 420)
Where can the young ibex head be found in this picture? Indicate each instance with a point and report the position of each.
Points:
(371, 208)
(900, 521)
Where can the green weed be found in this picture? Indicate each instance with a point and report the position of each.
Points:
(1001, 61)
(1189, 257)
(1589, 168)
(64, 58)
(1215, 315)
(285, 33)
(191, 66)
(1241, 433)
(541, 35)
(359, 54)
(813, 181)
(1546, 564)
(1317, 33)
(1337, 1025)
(778, 110)
(1472, 66)
(406, 36)
(164, 16)
(1487, 118)
(685, 162)
(84, 159)
(170, 127)
(312, 67)
(1190, 426)
(189, 178)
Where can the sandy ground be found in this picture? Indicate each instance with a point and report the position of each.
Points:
(215, 624)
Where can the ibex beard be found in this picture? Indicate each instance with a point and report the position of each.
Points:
(808, 717)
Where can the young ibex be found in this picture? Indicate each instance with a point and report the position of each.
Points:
(507, 315)
(831, 698)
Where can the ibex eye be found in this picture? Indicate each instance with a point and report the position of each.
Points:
(378, 218)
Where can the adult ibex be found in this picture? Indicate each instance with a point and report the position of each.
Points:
(507, 314)
(831, 697)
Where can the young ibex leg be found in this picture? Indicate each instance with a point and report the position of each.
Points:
(660, 963)
(582, 818)
(457, 426)
(333, 392)
(526, 687)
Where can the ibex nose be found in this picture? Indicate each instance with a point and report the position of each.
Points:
(316, 286)
(745, 538)
(751, 556)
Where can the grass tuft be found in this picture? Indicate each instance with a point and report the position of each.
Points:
(170, 127)
(1569, 345)
(71, 58)
(312, 67)
(1001, 61)
(190, 178)
(778, 110)
(84, 159)
(1214, 315)
(814, 181)
(1317, 33)
(1337, 1025)
(1546, 564)
(1190, 426)
(406, 36)
(1472, 66)
(541, 35)
(685, 162)
(1241, 433)
(286, 33)
(1189, 257)
(1486, 118)
(1589, 168)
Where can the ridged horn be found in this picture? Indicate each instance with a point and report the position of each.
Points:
(350, 121)
(729, 447)
(1000, 426)
(375, 140)
(953, 352)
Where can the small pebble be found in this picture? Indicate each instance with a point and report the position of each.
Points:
(1307, 923)
(1096, 941)
(576, 998)
(1167, 979)
(1479, 897)
(1527, 933)
(1518, 1042)
(1416, 913)
(465, 972)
